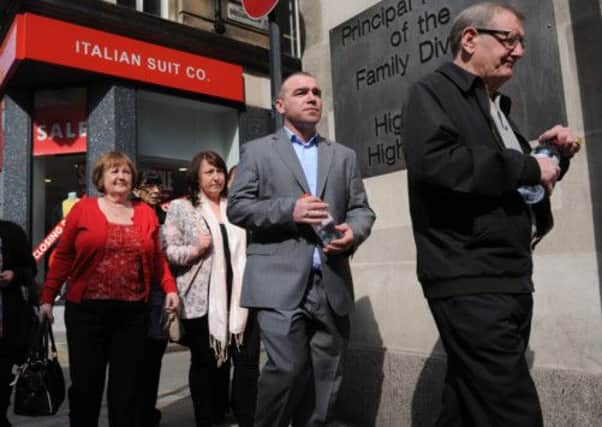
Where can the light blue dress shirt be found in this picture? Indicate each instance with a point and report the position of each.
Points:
(307, 152)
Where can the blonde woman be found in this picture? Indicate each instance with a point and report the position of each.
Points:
(107, 254)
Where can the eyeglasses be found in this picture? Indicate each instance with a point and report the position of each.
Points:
(508, 38)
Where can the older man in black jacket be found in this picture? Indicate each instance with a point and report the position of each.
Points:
(473, 230)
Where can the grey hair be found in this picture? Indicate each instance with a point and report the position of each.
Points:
(477, 15)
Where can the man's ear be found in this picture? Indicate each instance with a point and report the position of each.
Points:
(468, 40)
(280, 106)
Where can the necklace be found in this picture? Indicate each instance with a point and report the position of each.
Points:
(116, 212)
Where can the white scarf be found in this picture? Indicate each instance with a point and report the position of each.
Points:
(224, 322)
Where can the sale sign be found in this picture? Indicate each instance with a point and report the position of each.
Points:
(258, 8)
(59, 122)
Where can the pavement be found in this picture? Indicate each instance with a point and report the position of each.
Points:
(173, 397)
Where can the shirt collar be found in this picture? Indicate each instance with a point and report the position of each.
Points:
(295, 139)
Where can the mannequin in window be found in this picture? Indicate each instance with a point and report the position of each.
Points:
(61, 212)
(68, 203)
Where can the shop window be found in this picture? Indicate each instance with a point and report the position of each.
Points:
(59, 133)
(57, 181)
(172, 129)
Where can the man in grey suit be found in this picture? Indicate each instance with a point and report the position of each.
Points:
(300, 286)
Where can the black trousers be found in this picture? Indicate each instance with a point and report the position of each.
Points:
(101, 333)
(148, 383)
(6, 377)
(243, 393)
(209, 384)
(487, 381)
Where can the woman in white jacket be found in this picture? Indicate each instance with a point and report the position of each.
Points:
(207, 255)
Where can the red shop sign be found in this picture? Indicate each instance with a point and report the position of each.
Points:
(258, 8)
(59, 122)
(8, 54)
(80, 47)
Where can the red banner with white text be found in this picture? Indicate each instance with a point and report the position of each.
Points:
(48, 40)
(59, 122)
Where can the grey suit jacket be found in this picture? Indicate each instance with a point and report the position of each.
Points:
(268, 182)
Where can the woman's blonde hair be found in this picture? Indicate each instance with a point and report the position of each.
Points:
(108, 160)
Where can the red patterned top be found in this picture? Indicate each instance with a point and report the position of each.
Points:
(119, 274)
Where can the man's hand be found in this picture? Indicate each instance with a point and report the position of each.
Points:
(564, 138)
(549, 172)
(309, 210)
(341, 244)
(45, 312)
(6, 277)
(172, 301)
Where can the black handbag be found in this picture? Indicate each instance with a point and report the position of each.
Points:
(39, 383)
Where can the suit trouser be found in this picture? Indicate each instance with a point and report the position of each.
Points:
(305, 348)
(101, 333)
(487, 381)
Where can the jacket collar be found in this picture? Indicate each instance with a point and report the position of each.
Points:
(467, 81)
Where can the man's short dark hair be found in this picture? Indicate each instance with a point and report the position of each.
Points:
(296, 73)
(477, 15)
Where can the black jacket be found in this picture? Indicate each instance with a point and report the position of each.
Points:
(473, 231)
(17, 311)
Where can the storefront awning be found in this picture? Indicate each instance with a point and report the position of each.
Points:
(46, 40)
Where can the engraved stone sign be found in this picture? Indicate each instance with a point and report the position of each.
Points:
(379, 53)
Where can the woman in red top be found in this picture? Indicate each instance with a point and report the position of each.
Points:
(107, 254)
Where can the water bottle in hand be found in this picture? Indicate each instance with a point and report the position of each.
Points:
(326, 230)
(535, 193)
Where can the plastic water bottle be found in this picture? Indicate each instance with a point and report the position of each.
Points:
(326, 230)
(535, 193)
